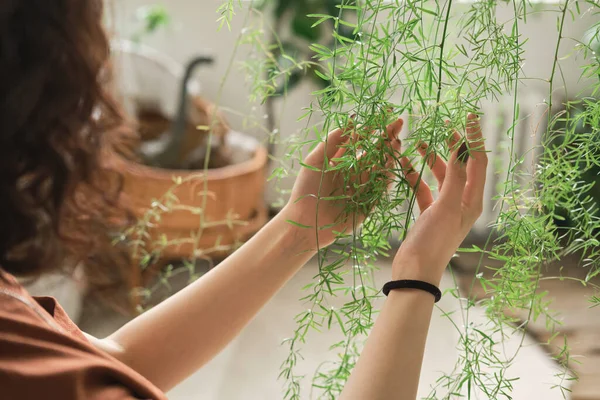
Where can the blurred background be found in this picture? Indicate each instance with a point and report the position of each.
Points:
(161, 48)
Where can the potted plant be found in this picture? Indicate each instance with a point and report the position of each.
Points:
(194, 183)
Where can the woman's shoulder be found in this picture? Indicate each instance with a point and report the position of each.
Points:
(44, 355)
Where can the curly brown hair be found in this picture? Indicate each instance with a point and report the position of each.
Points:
(59, 200)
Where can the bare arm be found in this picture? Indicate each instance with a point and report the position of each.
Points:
(390, 364)
(177, 337)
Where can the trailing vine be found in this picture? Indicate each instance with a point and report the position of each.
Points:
(424, 60)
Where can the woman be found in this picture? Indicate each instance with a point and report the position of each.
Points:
(57, 118)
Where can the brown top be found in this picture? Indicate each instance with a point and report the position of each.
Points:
(43, 355)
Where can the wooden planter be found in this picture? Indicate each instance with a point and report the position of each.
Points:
(234, 193)
(230, 199)
(215, 208)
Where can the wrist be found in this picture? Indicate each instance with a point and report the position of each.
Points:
(413, 270)
(403, 295)
(294, 238)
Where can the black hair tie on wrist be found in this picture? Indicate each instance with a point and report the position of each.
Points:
(410, 284)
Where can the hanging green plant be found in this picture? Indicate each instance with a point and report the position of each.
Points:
(436, 63)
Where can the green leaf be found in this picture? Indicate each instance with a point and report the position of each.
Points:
(323, 51)
(299, 225)
(427, 11)
(334, 6)
(321, 75)
(348, 24)
(310, 167)
(288, 76)
(595, 300)
(321, 18)
(302, 26)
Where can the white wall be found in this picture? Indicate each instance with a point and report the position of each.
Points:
(195, 31)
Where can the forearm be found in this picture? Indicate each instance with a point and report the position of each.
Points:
(177, 337)
(390, 364)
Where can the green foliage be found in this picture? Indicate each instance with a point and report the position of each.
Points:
(227, 11)
(578, 137)
(152, 18)
(146, 247)
(309, 22)
(379, 59)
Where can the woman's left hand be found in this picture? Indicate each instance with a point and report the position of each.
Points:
(320, 197)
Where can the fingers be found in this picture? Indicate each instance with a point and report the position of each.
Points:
(335, 139)
(476, 166)
(467, 169)
(422, 190)
(331, 146)
(392, 153)
(326, 148)
(454, 139)
(391, 157)
(435, 163)
(456, 172)
(475, 137)
(396, 151)
(393, 129)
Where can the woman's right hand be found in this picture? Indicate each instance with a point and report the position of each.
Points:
(444, 223)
